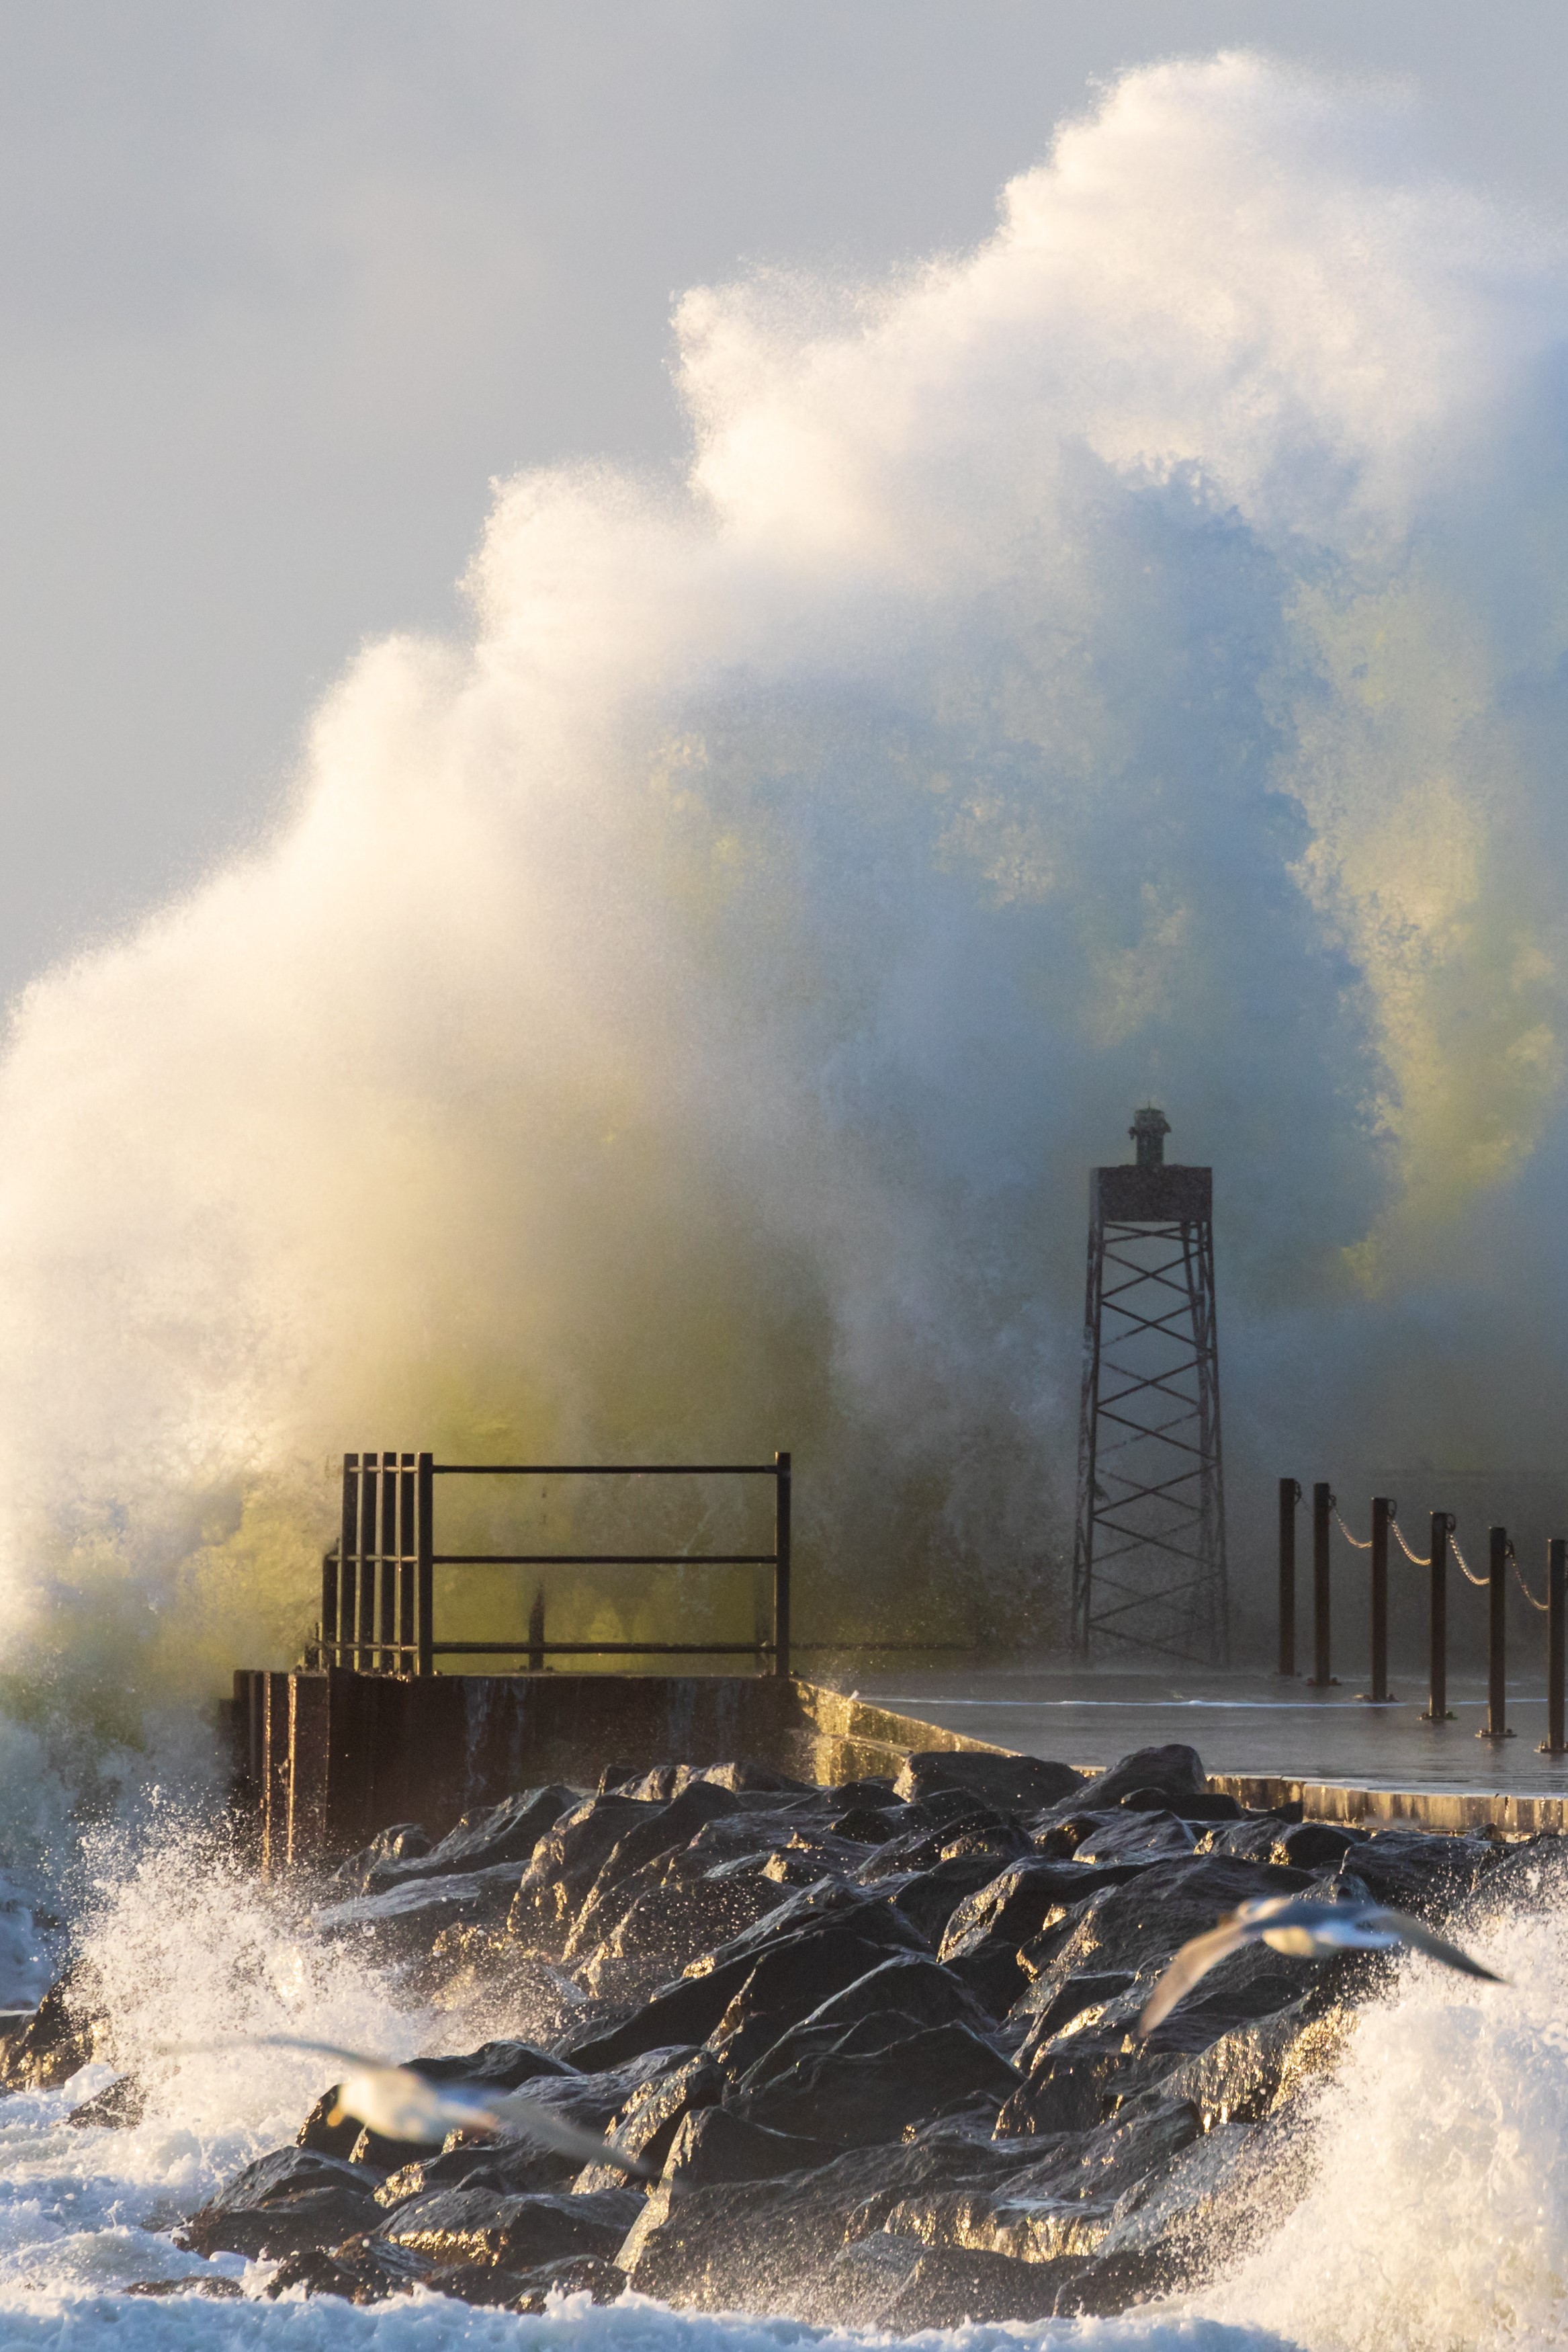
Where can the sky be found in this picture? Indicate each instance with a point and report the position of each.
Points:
(284, 290)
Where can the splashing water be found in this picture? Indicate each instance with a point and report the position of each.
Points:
(1126, 659)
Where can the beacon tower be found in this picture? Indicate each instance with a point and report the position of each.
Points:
(1148, 1561)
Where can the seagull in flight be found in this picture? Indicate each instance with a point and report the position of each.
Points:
(400, 2103)
(1307, 1930)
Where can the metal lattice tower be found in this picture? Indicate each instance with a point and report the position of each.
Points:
(1149, 1561)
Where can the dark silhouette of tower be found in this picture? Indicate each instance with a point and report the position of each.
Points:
(1149, 1561)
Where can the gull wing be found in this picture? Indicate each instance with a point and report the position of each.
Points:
(1193, 1960)
(1421, 1938)
(269, 2041)
(519, 2113)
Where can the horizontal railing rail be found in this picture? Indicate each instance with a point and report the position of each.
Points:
(378, 1582)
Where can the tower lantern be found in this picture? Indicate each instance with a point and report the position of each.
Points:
(1149, 1561)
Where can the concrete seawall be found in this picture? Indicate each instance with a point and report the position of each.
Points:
(327, 1760)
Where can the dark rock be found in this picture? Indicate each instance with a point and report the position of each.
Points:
(1176, 1770)
(120, 2107)
(592, 2100)
(506, 2065)
(866, 1824)
(473, 2225)
(283, 2202)
(745, 1775)
(407, 1918)
(647, 2124)
(872, 1790)
(900, 2287)
(1074, 1994)
(1255, 2068)
(404, 1842)
(578, 2275)
(565, 1863)
(59, 2038)
(657, 1834)
(1312, 1845)
(1140, 1925)
(359, 2270)
(920, 1847)
(1135, 1837)
(1012, 1907)
(714, 2146)
(860, 2087)
(512, 2167)
(1193, 1807)
(677, 1911)
(1250, 1839)
(1011, 1784)
(1409, 1870)
(485, 1838)
(929, 1898)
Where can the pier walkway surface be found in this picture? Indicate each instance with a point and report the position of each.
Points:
(1240, 1723)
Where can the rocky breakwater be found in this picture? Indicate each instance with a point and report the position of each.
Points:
(871, 2044)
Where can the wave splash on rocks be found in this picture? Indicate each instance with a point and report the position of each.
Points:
(874, 2040)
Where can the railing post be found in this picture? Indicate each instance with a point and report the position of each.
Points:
(1383, 1510)
(536, 1633)
(404, 1655)
(329, 1606)
(1322, 1514)
(423, 1571)
(781, 1565)
(385, 1659)
(1438, 1621)
(348, 1566)
(370, 1495)
(1497, 1638)
(1290, 1496)
(1556, 1552)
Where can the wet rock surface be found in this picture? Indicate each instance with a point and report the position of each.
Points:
(874, 2046)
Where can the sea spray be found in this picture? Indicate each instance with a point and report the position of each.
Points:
(676, 1020)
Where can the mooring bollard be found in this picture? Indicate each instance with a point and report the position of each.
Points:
(1556, 1552)
(1497, 1638)
(1437, 1621)
(1382, 1511)
(1323, 1515)
(1289, 1496)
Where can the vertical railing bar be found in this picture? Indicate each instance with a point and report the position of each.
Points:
(1437, 1709)
(1497, 1637)
(349, 1564)
(1556, 1554)
(370, 1495)
(1290, 1496)
(1322, 1516)
(424, 1571)
(782, 1563)
(386, 1568)
(406, 1564)
(536, 1633)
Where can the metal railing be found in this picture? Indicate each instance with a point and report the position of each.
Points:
(1442, 1543)
(378, 1583)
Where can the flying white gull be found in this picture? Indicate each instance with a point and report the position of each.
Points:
(1307, 1931)
(402, 2104)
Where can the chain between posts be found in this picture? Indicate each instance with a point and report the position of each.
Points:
(1545, 1606)
(1355, 1541)
(1465, 1566)
(1417, 1558)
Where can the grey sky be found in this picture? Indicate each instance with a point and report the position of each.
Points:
(284, 284)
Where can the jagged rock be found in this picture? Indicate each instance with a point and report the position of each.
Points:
(925, 1844)
(404, 1919)
(867, 2081)
(512, 2167)
(1091, 1989)
(1010, 1784)
(899, 2286)
(671, 1825)
(1140, 1923)
(404, 1842)
(604, 2282)
(55, 2043)
(865, 1824)
(120, 2107)
(928, 1899)
(1253, 2070)
(1192, 1806)
(483, 1839)
(1410, 1870)
(714, 2146)
(1314, 1845)
(565, 1863)
(1176, 1770)
(1139, 1836)
(473, 2225)
(360, 2270)
(286, 2201)
(592, 2100)
(647, 2124)
(681, 1911)
(744, 1774)
(1012, 1907)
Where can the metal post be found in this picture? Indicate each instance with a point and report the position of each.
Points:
(348, 1566)
(781, 1565)
(365, 1631)
(536, 1633)
(406, 1637)
(386, 1570)
(1438, 1621)
(1383, 1510)
(424, 1569)
(1556, 1552)
(1290, 1496)
(1497, 1638)
(328, 1607)
(1322, 1513)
